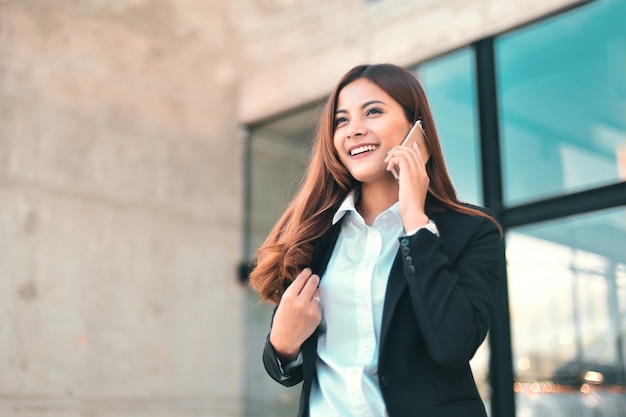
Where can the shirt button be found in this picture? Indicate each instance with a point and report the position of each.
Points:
(409, 260)
(385, 381)
(412, 269)
(405, 251)
(404, 242)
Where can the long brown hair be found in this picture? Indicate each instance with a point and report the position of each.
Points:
(289, 246)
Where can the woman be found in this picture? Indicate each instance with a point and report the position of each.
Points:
(385, 282)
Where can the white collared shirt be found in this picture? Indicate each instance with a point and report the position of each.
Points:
(352, 293)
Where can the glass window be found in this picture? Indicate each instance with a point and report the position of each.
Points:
(449, 83)
(278, 155)
(567, 289)
(562, 92)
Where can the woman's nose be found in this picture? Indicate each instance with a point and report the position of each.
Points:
(355, 128)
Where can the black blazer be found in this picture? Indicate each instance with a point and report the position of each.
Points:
(437, 311)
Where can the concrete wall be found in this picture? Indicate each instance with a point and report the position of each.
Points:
(304, 47)
(120, 210)
(121, 183)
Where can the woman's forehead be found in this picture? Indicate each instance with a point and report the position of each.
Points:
(360, 92)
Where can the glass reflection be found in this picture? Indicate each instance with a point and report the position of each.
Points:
(562, 86)
(449, 83)
(568, 315)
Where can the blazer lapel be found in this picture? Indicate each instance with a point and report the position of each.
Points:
(395, 287)
(322, 251)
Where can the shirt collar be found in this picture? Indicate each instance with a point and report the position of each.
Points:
(349, 204)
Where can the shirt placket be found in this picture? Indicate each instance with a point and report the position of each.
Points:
(364, 317)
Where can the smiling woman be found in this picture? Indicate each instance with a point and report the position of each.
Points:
(367, 269)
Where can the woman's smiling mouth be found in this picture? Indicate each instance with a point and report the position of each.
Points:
(362, 149)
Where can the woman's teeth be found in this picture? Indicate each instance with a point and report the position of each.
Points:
(362, 149)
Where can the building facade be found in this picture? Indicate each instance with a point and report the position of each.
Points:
(529, 103)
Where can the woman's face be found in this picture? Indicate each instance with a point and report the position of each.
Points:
(368, 122)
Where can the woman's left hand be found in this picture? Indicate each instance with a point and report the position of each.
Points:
(407, 164)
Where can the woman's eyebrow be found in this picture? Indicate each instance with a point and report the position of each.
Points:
(369, 103)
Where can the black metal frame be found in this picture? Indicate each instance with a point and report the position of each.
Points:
(501, 358)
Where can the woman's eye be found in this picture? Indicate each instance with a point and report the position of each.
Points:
(373, 110)
(340, 120)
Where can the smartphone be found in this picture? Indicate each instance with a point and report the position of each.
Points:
(416, 132)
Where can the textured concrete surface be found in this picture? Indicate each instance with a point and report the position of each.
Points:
(120, 210)
(306, 46)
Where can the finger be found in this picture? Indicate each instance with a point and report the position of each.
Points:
(410, 153)
(411, 160)
(395, 151)
(394, 171)
(423, 153)
(399, 162)
(400, 152)
(393, 168)
(298, 283)
(392, 159)
(310, 287)
(416, 146)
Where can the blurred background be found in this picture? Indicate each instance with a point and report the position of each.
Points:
(148, 146)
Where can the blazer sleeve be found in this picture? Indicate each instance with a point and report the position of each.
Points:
(285, 374)
(453, 299)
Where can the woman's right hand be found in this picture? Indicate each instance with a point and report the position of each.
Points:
(297, 316)
(413, 183)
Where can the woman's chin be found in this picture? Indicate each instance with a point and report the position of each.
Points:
(373, 177)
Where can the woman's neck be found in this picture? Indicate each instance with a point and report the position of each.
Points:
(374, 199)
